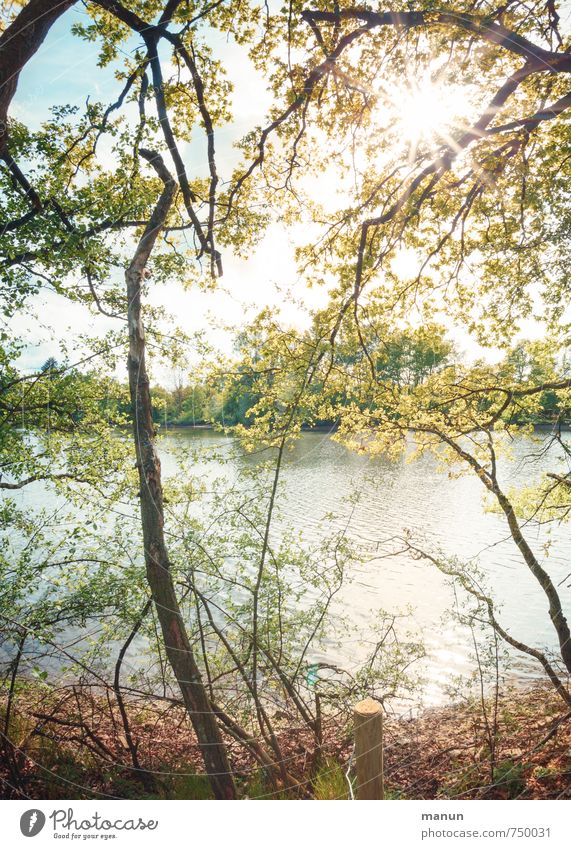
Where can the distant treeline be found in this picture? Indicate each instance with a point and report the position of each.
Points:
(404, 360)
(190, 404)
(228, 398)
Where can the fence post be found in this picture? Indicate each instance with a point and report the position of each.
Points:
(368, 723)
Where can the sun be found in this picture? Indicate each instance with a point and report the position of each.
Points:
(425, 111)
(428, 112)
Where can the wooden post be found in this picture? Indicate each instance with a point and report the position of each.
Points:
(368, 722)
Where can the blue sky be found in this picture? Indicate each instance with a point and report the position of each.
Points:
(65, 71)
(62, 71)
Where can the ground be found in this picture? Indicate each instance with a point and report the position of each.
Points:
(70, 743)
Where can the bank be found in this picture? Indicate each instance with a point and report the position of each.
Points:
(70, 743)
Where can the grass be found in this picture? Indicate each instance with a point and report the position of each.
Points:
(330, 781)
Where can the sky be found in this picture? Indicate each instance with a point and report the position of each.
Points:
(65, 71)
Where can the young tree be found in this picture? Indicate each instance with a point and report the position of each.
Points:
(57, 234)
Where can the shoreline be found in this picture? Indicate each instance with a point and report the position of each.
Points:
(333, 427)
(60, 734)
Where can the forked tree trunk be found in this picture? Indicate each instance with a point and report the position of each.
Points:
(159, 575)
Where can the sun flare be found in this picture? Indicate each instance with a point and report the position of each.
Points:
(428, 112)
(424, 111)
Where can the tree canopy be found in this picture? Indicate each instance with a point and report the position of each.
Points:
(417, 156)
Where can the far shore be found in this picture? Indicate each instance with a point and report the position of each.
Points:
(332, 427)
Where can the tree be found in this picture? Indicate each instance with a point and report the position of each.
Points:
(69, 223)
(177, 643)
(467, 416)
(480, 203)
(60, 231)
(462, 189)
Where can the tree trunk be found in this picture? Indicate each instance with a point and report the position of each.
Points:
(555, 607)
(177, 644)
(18, 43)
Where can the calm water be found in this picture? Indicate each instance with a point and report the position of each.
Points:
(377, 500)
(321, 477)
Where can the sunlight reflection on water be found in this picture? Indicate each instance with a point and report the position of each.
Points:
(324, 488)
(382, 499)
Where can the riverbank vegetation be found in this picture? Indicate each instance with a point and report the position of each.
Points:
(71, 743)
(416, 159)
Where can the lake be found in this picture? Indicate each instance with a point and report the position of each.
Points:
(325, 487)
(321, 477)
